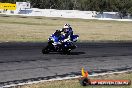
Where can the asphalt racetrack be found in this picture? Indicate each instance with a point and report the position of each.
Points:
(21, 61)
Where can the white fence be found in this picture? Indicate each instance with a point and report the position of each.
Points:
(61, 13)
(69, 14)
(24, 8)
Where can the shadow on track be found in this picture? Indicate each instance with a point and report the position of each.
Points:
(77, 53)
(71, 53)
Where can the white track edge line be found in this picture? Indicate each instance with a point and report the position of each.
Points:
(65, 78)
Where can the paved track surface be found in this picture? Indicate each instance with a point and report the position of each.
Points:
(20, 61)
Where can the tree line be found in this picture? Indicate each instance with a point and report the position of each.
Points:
(124, 7)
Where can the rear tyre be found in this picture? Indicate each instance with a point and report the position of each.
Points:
(66, 51)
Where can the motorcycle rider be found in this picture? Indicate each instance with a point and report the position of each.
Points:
(61, 41)
(64, 34)
(67, 30)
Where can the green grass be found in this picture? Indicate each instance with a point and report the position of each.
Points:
(74, 83)
(38, 29)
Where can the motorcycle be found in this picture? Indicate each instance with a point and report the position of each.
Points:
(60, 44)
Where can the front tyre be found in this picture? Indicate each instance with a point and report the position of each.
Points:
(45, 50)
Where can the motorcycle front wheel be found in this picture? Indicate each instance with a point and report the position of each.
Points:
(45, 50)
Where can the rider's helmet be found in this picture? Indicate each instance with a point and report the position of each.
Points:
(66, 26)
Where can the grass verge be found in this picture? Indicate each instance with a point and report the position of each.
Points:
(74, 83)
(33, 29)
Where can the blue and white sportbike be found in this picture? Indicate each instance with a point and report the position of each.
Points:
(57, 42)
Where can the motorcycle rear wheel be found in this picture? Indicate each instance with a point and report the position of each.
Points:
(67, 51)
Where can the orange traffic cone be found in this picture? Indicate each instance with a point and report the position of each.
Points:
(84, 74)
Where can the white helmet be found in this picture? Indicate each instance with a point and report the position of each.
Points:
(66, 26)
